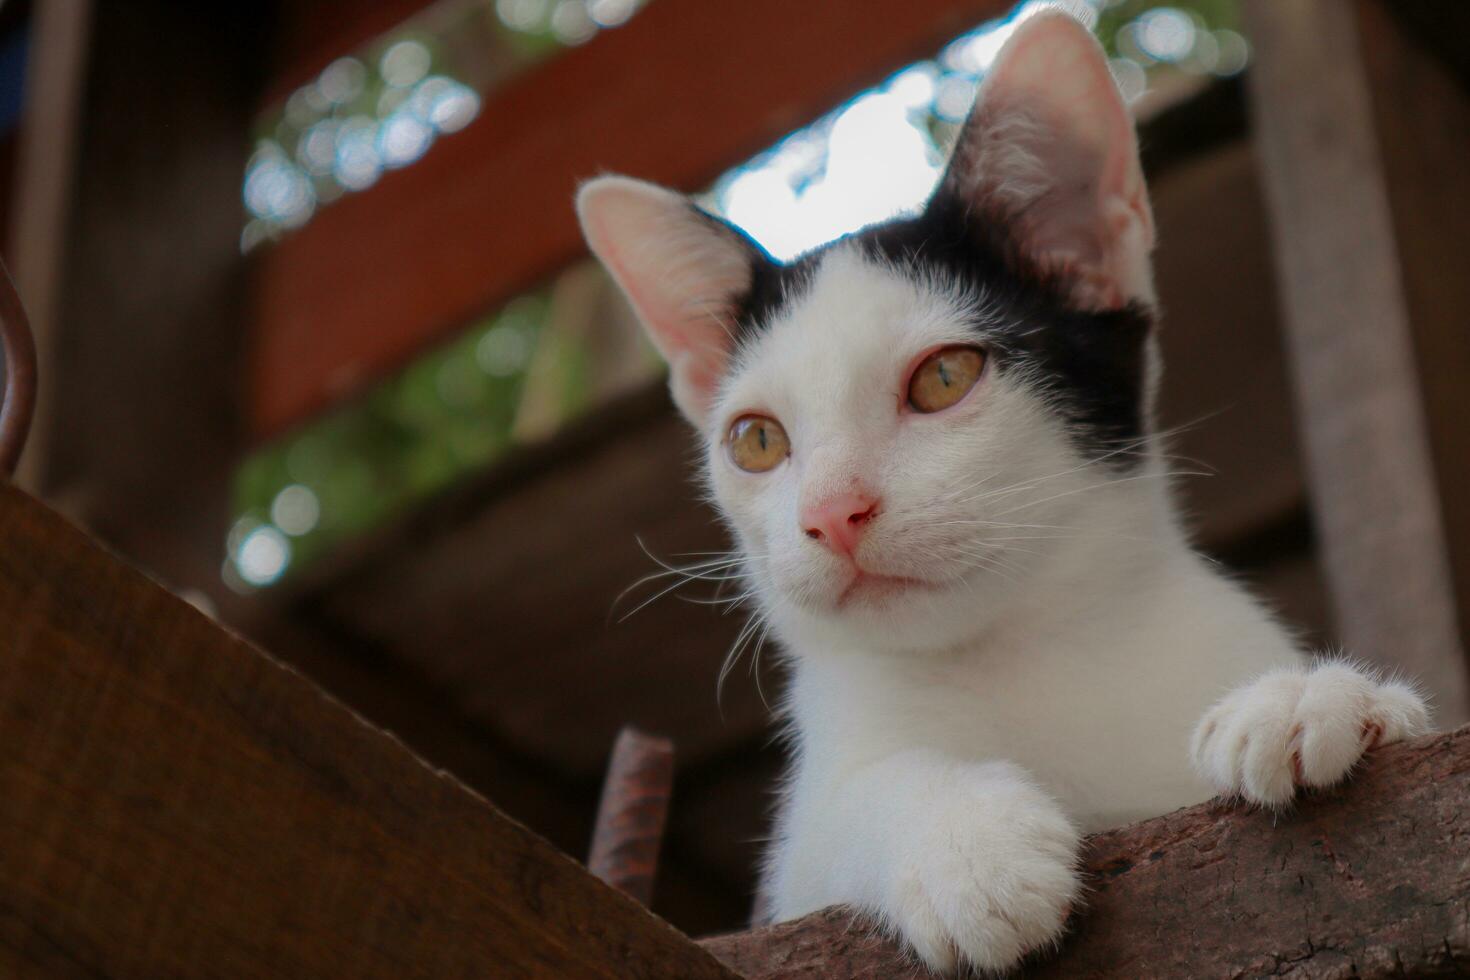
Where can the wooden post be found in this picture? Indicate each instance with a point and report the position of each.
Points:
(41, 197)
(1349, 332)
(175, 803)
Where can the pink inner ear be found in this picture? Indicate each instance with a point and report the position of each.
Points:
(669, 335)
(1055, 147)
(680, 271)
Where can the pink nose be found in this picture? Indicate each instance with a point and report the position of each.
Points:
(838, 522)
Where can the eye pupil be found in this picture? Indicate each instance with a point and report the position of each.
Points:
(757, 443)
(945, 377)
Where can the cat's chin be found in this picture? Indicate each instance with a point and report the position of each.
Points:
(877, 612)
(868, 590)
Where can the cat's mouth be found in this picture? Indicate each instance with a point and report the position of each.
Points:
(870, 588)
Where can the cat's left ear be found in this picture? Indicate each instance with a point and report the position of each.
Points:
(683, 271)
(1050, 149)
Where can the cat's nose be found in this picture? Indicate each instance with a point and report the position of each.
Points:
(838, 522)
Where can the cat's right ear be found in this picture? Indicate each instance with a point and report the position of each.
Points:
(683, 271)
(1050, 150)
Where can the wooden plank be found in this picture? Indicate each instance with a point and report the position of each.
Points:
(1421, 114)
(679, 94)
(1357, 388)
(177, 803)
(1365, 881)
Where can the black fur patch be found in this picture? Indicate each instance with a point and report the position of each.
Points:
(1090, 365)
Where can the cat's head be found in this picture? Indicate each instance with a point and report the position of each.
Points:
(904, 425)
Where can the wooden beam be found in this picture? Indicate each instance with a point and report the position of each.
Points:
(1364, 881)
(1348, 327)
(177, 803)
(678, 95)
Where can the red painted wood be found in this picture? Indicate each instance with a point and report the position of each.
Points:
(311, 34)
(681, 93)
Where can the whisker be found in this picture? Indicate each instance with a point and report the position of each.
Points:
(1095, 486)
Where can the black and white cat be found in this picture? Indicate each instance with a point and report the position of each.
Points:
(933, 441)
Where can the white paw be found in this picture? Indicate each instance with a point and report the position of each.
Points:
(987, 886)
(1305, 727)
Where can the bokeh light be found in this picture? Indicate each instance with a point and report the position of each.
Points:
(404, 63)
(263, 556)
(1165, 34)
(523, 15)
(572, 23)
(296, 510)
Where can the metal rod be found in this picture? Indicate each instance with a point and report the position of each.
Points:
(20, 375)
(630, 818)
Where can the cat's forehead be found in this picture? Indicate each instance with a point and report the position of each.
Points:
(847, 312)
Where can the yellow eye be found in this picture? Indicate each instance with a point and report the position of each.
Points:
(944, 377)
(757, 443)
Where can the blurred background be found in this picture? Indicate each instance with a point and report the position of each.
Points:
(322, 350)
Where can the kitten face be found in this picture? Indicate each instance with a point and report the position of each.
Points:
(869, 518)
(965, 501)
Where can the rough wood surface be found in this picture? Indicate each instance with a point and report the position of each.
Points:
(1347, 318)
(176, 803)
(1369, 880)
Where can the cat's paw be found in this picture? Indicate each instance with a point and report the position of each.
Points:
(985, 888)
(1296, 728)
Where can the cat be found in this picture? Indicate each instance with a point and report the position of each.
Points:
(933, 442)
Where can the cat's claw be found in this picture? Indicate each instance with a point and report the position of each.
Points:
(1301, 728)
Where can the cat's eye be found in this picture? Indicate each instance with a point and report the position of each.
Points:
(944, 377)
(757, 443)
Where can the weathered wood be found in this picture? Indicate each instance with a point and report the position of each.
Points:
(631, 815)
(1369, 880)
(677, 95)
(177, 803)
(1357, 387)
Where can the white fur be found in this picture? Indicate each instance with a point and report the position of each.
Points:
(950, 742)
